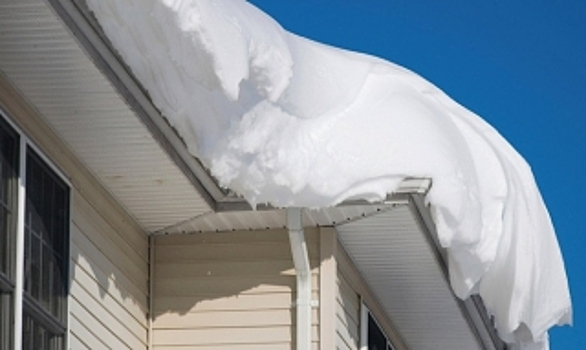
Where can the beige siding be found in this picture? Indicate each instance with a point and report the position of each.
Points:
(347, 315)
(230, 290)
(109, 253)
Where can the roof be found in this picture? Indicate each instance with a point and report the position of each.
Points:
(54, 54)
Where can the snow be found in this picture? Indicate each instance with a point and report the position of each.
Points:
(288, 121)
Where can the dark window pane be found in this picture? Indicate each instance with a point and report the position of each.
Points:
(376, 338)
(46, 255)
(6, 315)
(37, 337)
(9, 151)
(9, 154)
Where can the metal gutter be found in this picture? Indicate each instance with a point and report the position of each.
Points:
(303, 275)
(472, 309)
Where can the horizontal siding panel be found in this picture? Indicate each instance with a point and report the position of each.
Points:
(243, 302)
(231, 319)
(346, 320)
(86, 254)
(132, 239)
(126, 266)
(84, 285)
(225, 286)
(196, 337)
(77, 344)
(240, 302)
(92, 278)
(220, 268)
(83, 335)
(187, 269)
(232, 336)
(348, 300)
(229, 252)
(100, 330)
(347, 315)
(341, 344)
(107, 239)
(115, 326)
(349, 335)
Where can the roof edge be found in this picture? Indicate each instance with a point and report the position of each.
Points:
(473, 308)
(79, 20)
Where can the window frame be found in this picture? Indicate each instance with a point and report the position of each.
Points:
(365, 316)
(21, 301)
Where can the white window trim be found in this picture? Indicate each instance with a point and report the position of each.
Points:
(24, 143)
(364, 311)
(364, 314)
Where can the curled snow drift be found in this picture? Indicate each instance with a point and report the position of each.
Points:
(281, 119)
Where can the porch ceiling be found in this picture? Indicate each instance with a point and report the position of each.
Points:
(46, 63)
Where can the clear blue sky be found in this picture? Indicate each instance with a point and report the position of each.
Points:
(521, 65)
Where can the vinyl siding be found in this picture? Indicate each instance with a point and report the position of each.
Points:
(231, 290)
(108, 295)
(347, 315)
(108, 299)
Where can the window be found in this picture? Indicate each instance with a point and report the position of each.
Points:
(9, 145)
(34, 248)
(372, 335)
(376, 338)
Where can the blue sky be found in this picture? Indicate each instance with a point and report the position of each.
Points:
(518, 64)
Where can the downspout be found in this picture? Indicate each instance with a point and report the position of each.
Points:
(303, 274)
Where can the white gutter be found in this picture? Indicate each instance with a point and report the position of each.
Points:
(303, 273)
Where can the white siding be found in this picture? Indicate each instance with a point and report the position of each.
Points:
(109, 253)
(228, 290)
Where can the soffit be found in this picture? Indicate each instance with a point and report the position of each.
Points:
(42, 59)
(399, 264)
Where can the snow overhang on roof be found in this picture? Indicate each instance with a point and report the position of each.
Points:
(105, 116)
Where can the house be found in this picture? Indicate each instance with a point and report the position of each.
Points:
(115, 237)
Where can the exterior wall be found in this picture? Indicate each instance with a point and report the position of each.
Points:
(108, 302)
(231, 290)
(109, 252)
(347, 315)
